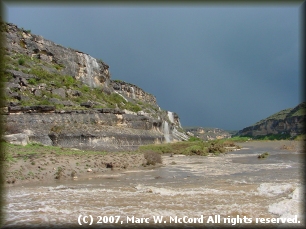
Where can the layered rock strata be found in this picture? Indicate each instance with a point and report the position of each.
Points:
(289, 121)
(133, 92)
(98, 129)
(93, 72)
(73, 116)
(207, 133)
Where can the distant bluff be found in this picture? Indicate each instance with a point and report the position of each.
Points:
(208, 133)
(61, 96)
(288, 123)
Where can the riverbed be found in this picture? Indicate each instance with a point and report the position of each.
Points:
(234, 189)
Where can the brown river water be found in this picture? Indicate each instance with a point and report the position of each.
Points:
(235, 189)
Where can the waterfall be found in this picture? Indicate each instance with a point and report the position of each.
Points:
(133, 93)
(166, 131)
(179, 135)
(89, 71)
(92, 66)
(179, 123)
(121, 96)
(170, 116)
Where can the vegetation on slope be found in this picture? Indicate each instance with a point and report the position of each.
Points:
(49, 75)
(286, 113)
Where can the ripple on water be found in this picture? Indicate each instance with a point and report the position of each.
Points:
(193, 186)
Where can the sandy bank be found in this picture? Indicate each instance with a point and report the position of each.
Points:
(50, 164)
(47, 164)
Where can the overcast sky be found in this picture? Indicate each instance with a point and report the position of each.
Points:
(224, 66)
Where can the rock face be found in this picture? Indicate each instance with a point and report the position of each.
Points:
(65, 97)
(207, 133)
(18, 139)
(82, 66)
(108, 129)
(133, 92)
(289, 121)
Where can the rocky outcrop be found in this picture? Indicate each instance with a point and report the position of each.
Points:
(286, 122)
(207, 133)
(132, 91)
(93, 72)
(99, 129)
(17, 139)
(66, 97)
(31, 109)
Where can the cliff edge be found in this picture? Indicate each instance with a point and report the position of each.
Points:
(61, 96)
(287, 123)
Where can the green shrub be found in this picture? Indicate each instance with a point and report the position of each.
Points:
(32, 81)
(21, 61)
(59, 106)
(85, 88)
(159, 148)
(58, 66)
(43, 102)
(301, 137)
(73, 174)
(41, 73)
(35, 144)
(115, 98)
(59, 173)
(152, 157)
(22, 44)
(240, 138)
(195, 149)
(4, 27)
(119, 81)
(131, 107)
(194, 139)
(270, 137)
(216, 148)
(68, 81)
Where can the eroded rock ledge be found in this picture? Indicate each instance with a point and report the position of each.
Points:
(132, 91)
(83, 108)
(290, 121)
(98, 129)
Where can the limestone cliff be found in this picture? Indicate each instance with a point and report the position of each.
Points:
(207, 133)
(61, 96)
(288, 122)
(75, 63)
(132, 91)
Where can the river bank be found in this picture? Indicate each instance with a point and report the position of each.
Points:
(37, 163)
(231, 185)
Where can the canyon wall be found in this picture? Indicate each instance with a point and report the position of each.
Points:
(207, 133)
(97, 129)
(48, 102)
(289, 121)
(133, 92)
(74, 63)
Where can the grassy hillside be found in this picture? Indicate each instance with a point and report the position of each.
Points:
(285, 124)
(299, 110)
(41, 74)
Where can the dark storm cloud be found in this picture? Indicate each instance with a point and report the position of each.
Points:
(226, 66)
